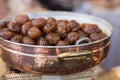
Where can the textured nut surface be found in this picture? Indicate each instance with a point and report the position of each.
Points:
(25, 28)
(34, 33)
(14, 27)
(42, 41)
(39, 22)
(21, 19)
(52, 38)
(28, 40)
(91, 28)
(62, 43)
(17, 38)
(72, 37)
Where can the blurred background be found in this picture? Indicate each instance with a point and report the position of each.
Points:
(107, 9)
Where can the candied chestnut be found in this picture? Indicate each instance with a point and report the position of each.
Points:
(82, 34)
(39, 22)
(72, 37)
(102, 35)
(51, 20)
(5, 29)
(25, 28)
(74, 26)
(42, 41)
(49, 27)
(21, 19)
(91, 28)
(62, 43)
(52, 38)
(63, 27)
(17, 38)
(3, 24)
(97, 36)
(34, 33)
(14, 27)
(6, 34)
(28, 40)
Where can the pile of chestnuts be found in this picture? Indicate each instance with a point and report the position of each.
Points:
(48, 32)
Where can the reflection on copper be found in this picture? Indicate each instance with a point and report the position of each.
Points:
(57, 51)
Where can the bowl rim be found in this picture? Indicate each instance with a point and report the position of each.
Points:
(62, 12)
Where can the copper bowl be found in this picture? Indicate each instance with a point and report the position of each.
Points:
(58, 60)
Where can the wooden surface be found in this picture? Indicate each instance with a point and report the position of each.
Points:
(2, 66)
(113, 74)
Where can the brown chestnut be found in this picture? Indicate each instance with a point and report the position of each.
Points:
(17, 38)
(91, 28)
(25, 28)
(6, 34)
(82, 34)
(3, 24)
(42, 41)
(97, 36)
(14, 27)
(34, 33)
(51, 20)
(28, 40)
(49, 27)
(39, 22)
(74, 26)
(5, 29)
(52, 38)
(62, 43)
(72, 37)
(63, 27)
(21, 19)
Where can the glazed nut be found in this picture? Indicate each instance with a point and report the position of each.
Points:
(6, 34)
(52, 38)
(34, 33)
(14, 27)
(39, 22)
(50, 27)
(62, 43)
(25, 28)
(91, 28)
(74, 26)
(28, 40)
(42, 41)
(72, 37)
(17, 38)
(21, 19)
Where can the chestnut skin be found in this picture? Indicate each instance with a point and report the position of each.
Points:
(3, 24)
(51, 20)
(42, 41)
(72, 37)
(52, 38)
(28, 40)
(17, 38)
(39, 22)
(97, 36)
(14, 27)
(63, 27)
(5, 29)
(50, 27)
(21, 19)
(91, 28)
(34, 33)
(74, 26)
(25, 28)
(6, 34)
(82, 34)
(48, 32)
(62, 43)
